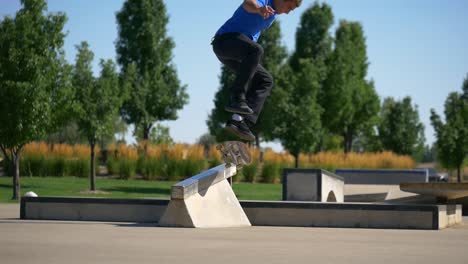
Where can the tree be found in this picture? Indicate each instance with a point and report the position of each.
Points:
(313, 40)
(34, 79)
(314, 43)
(349, 100)
(158, 135)
(274, 55)
(400, 129)
(465, 88)
(120, 127)
(429, 154)
(298, 116)
(144, 55)
(452, 136)
(207, 141)
(68, 134)
(97, 100)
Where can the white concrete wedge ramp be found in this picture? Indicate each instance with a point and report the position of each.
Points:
(205, 200)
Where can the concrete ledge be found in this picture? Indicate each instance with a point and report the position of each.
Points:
(260, 213)
(92, 209)
(202, 181)
(312, 185)
(357, 215)
(383, 176)
(463, 202)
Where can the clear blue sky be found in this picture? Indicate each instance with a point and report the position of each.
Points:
(415, 47)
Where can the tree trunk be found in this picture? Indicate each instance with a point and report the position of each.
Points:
(459, 173)
(345, 144)
(257, 144)
(93, 171)
(296, 160)
(5, 155)
(348, 142)
(319, 145)
(16, 175)
(146, 131)
(14, 160)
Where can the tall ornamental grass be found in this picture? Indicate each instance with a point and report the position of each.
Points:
(156, 162)
(179, 161)
(214, 157)
(122, 161)
(273, 165)
(57, 160)
(331, 161)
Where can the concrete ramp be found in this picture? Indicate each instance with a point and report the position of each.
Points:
(441, 190)
(205, 200)
(382, 176)
(373, 193)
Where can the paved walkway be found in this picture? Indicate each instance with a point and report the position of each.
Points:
(91, 242)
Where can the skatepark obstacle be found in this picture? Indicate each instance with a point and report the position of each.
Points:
(259, 213)
(441, 190)
(312, 185)
(205, 200)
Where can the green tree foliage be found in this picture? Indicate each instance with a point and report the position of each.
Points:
(313, 40)
(274, 51)
(274, 55)
(120, 129)
(34, 79)
(452, 136)
(97, 101)
(67, 134)
(144, 54)
(298, 118)
(219, 116)
(400, 129)
(314, 44)
(158, 135)
(465, 88)
(70, 134)
(350, 101)
(206, 140)
(429, 154)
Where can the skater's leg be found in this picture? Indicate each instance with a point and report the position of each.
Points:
(260, 89)
(236, 124)
(235, 47)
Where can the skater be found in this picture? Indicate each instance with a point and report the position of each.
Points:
(235, 45)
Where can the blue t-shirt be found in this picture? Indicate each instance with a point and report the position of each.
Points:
(248, 24)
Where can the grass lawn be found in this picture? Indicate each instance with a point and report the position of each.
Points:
(114, 188)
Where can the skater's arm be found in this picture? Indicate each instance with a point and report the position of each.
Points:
(251, 6)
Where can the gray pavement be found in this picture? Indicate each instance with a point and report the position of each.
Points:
(96, 242)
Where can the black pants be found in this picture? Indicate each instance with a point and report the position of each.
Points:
(253, 82)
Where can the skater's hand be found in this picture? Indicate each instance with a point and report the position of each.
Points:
(251, 6)
(266, 11)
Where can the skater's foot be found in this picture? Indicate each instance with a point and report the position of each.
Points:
(238, 106)
(240, 129)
